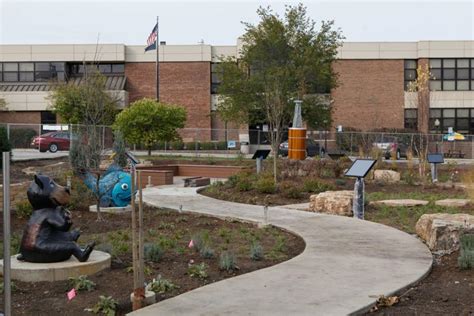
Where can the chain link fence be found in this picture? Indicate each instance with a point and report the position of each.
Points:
(57, 137)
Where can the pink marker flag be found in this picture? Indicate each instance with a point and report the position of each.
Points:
(191, 244)
(71, 294)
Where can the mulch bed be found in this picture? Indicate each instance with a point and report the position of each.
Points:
(447, 290)
(49, 298)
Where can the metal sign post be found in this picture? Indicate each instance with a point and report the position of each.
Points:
(259, 155)
(434, 160)
(359, 169)
(6, 235)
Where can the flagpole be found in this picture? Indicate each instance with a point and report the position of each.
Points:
(157, 60)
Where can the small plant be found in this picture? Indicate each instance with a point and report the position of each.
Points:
(280, 243)
(82, 283)
(12, 285)
(340, 182)
(290, 190)
(227, 261)
(256, 251)
(200, 240)
(23, 209)
(206, 252)
(266, 184)
(198, 270)
(166, 226)
(316, 186)
(161, 285)
(153, 252)
(106, 306)
(166, 243)
(466, 258)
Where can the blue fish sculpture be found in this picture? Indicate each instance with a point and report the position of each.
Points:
(114, 187)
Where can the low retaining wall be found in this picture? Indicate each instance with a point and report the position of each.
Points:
(209, 171)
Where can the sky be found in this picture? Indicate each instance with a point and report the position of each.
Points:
(219, 22)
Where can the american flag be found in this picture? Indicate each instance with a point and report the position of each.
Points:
(151, 40)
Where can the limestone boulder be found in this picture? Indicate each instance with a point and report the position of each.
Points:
(387, 176)
(441, 231)
(453, 202)
(332, 202)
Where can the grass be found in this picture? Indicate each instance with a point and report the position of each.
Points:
(405, 218)
(416, 195)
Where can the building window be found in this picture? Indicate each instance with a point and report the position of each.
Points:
(30, 72)
(105, 69)
(410, 72)
(411, 119)
(215, 78)
(452, 74)
(461, 120)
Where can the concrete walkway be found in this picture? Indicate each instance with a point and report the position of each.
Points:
(346, 264)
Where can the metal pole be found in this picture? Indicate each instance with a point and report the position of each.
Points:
(6, 234)
(137, 298)
(358, 204)
(141, 277)
(259, 164)
(157, 59)
(8, 131)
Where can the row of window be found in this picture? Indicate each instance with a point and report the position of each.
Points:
(461, 120)
(14, 72)
(447, 74)
(215, 81)
(452, 74)
(44, 71)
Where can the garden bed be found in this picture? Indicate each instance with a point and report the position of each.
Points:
(172, 232)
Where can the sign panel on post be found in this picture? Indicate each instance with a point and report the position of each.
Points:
(231, 144)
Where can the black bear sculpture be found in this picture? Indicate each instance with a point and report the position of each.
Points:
(47, 237)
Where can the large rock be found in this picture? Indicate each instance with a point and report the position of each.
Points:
(387, 176)
(441, 231)
(400, 202)
(453, 202)
(332, 202)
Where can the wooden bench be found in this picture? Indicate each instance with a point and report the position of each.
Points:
(454, 154)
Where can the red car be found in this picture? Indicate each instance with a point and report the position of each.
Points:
(52, 141)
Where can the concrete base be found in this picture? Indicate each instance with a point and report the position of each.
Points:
(150, 297)
(111, 210)
(57, 271)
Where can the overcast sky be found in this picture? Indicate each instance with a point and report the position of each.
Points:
(218, 22)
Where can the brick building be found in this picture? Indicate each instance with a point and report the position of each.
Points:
(371, 94)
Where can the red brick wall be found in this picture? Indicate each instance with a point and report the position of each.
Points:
(181, 83)
(370, 94)
(30, 117)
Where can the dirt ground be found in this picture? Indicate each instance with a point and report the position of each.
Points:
(446, 291)
(172, 231)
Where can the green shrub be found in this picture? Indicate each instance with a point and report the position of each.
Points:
(177, 145)
(466, 258)
(290, 190)
(12, 286)
(23, 209)
(106, 305)
(315, 186)
(227, 261)
(161, 285)
(153, 252)
(265, 184)
(4, 144)
(341, 182)
(21, 137)
(166, 243)
(81, 283)
(256, 251)
(198, 270)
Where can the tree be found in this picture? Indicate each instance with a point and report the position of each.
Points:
(87, 103)
(87, 106)
(147, 121)
(282, 59)
(420, 86)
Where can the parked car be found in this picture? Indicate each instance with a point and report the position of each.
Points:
(52, 141)
(312, 148)
(390, 145)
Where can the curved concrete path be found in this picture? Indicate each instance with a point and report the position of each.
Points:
(346, 264)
